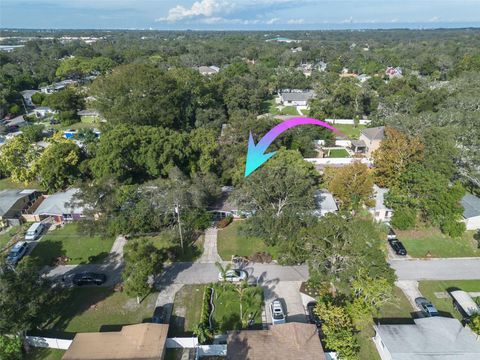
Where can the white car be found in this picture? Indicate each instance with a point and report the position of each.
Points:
(278, 314)
(233, 276)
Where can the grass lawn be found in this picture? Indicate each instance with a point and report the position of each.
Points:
(227, 306)
(44, 354)
(8, 234)
(430, 240)
(271, 107)
(399, 308)
(7, 183)
(68, 241)
(231, 242)
(350, 130)
(190, 253)
(99, 309)
(338, 153)
(429, 288)
(187, 309)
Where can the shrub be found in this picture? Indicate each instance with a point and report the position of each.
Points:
(404, 218)
(224, 222)
(202, 330)
(38, 98)
(453, 228)
(10, 347)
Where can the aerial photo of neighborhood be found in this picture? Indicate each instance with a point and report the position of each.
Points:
(239, 180)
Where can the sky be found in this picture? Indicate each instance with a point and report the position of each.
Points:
(238, 14)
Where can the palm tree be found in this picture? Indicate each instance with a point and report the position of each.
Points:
(223, 269)
(252, 301)
(241, 292)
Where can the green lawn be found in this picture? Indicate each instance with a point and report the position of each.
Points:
(7, 183)
(99, 309)
(44, 354)
(231, 242)
(350, 130)
(89, 119)
(191, 251)
(430, 240)
(187, 309)
(68, 241)
(227, 306)
(338, 153)
(15, 231)
(429, 288)
(271, 107)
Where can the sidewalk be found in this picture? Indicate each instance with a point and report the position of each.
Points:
(210, 254)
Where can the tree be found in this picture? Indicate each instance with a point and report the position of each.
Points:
(338, 329)
(204, 147)
(142, 261)
(396, 152)
(404, 218)
(223, 269)
(58, 165)
(10, 348)
(352, 185)
(65, 100)
(33, 133)
(440, 150)
(474, 323)
(16, 158)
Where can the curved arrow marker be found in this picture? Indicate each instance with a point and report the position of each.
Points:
(256, 153)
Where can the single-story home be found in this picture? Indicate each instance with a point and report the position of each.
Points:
(14, 203)
(295, 97)
(324, 203)
(42, 111)
(471, 211)
(134, 342)
(50, 89)
(435, 338)
(27, 97)
(358, 146)
(61, 206)
(291, 341)
(380, 212)
(392, 72)
(372, 137)
(18, 121)
(208, 70)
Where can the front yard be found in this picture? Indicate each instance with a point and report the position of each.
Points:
(231, 242)
(70, 242)
(190, 253)
(443, 302)
(6, 236)
(187, 309)
(273, 108)
(431, 242)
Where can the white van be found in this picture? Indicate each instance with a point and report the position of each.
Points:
(34, 231)
(464, 304)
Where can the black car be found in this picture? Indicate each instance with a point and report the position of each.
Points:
(312, 317)
(398, 247)
(89, 278)
(158, 315)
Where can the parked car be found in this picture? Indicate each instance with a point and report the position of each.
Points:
(391, 234)
(398, 247)
(158, 315)
(278, 314)
(89, 278)
(312, 317)
(426, 306)
(235, 275)
(34, 231)
(17, 253)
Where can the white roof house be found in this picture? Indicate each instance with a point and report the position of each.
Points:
(60, 205)
(208, 70)
(296, 97)
(471, 211)
(431, 338)
(324, 203)
(380, 211)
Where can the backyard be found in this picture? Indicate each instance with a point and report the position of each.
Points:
(350, 130)
(338, 153)
(230, 242)
(436, 292)
(431, 242)
(69, 241)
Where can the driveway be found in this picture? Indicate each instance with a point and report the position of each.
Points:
(289, 294)
(437, 269)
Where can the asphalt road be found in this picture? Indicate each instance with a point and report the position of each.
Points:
(437, 269)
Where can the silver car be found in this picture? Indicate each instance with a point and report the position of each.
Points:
(17, 252)
(278, 314)
(233, 276)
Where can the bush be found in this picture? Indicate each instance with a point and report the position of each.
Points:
(404, 218)
(453, 228)
(10, 348)
(202, 330)
(38, 98)
(224, 222)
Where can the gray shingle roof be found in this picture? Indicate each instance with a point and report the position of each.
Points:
(324, 201)
(376, 133)
(379, 194)
(471, 206)
(56, 204)
(8, 198)
(433, 338)
(297, 96)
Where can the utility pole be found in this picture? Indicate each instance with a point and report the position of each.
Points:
(177, 211)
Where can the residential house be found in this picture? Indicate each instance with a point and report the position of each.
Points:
(435, 338)
(283, 40)
(61, 206)
(372, 138)
(134, 342)
(322, 66)
(324, 203)
(358, 146)
(296, 97)
(296, 49)
(291, 341)
(363, 77)
(392, 72)
(380, 212)
(208, 70)
(14, 203)
(17, 121)
(471, 211)
(27, 97)
(50, 89)
(42, 111)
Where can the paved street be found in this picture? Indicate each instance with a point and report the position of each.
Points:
(437, 269)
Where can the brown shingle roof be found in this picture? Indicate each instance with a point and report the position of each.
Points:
(141, 341)
(290, 341)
